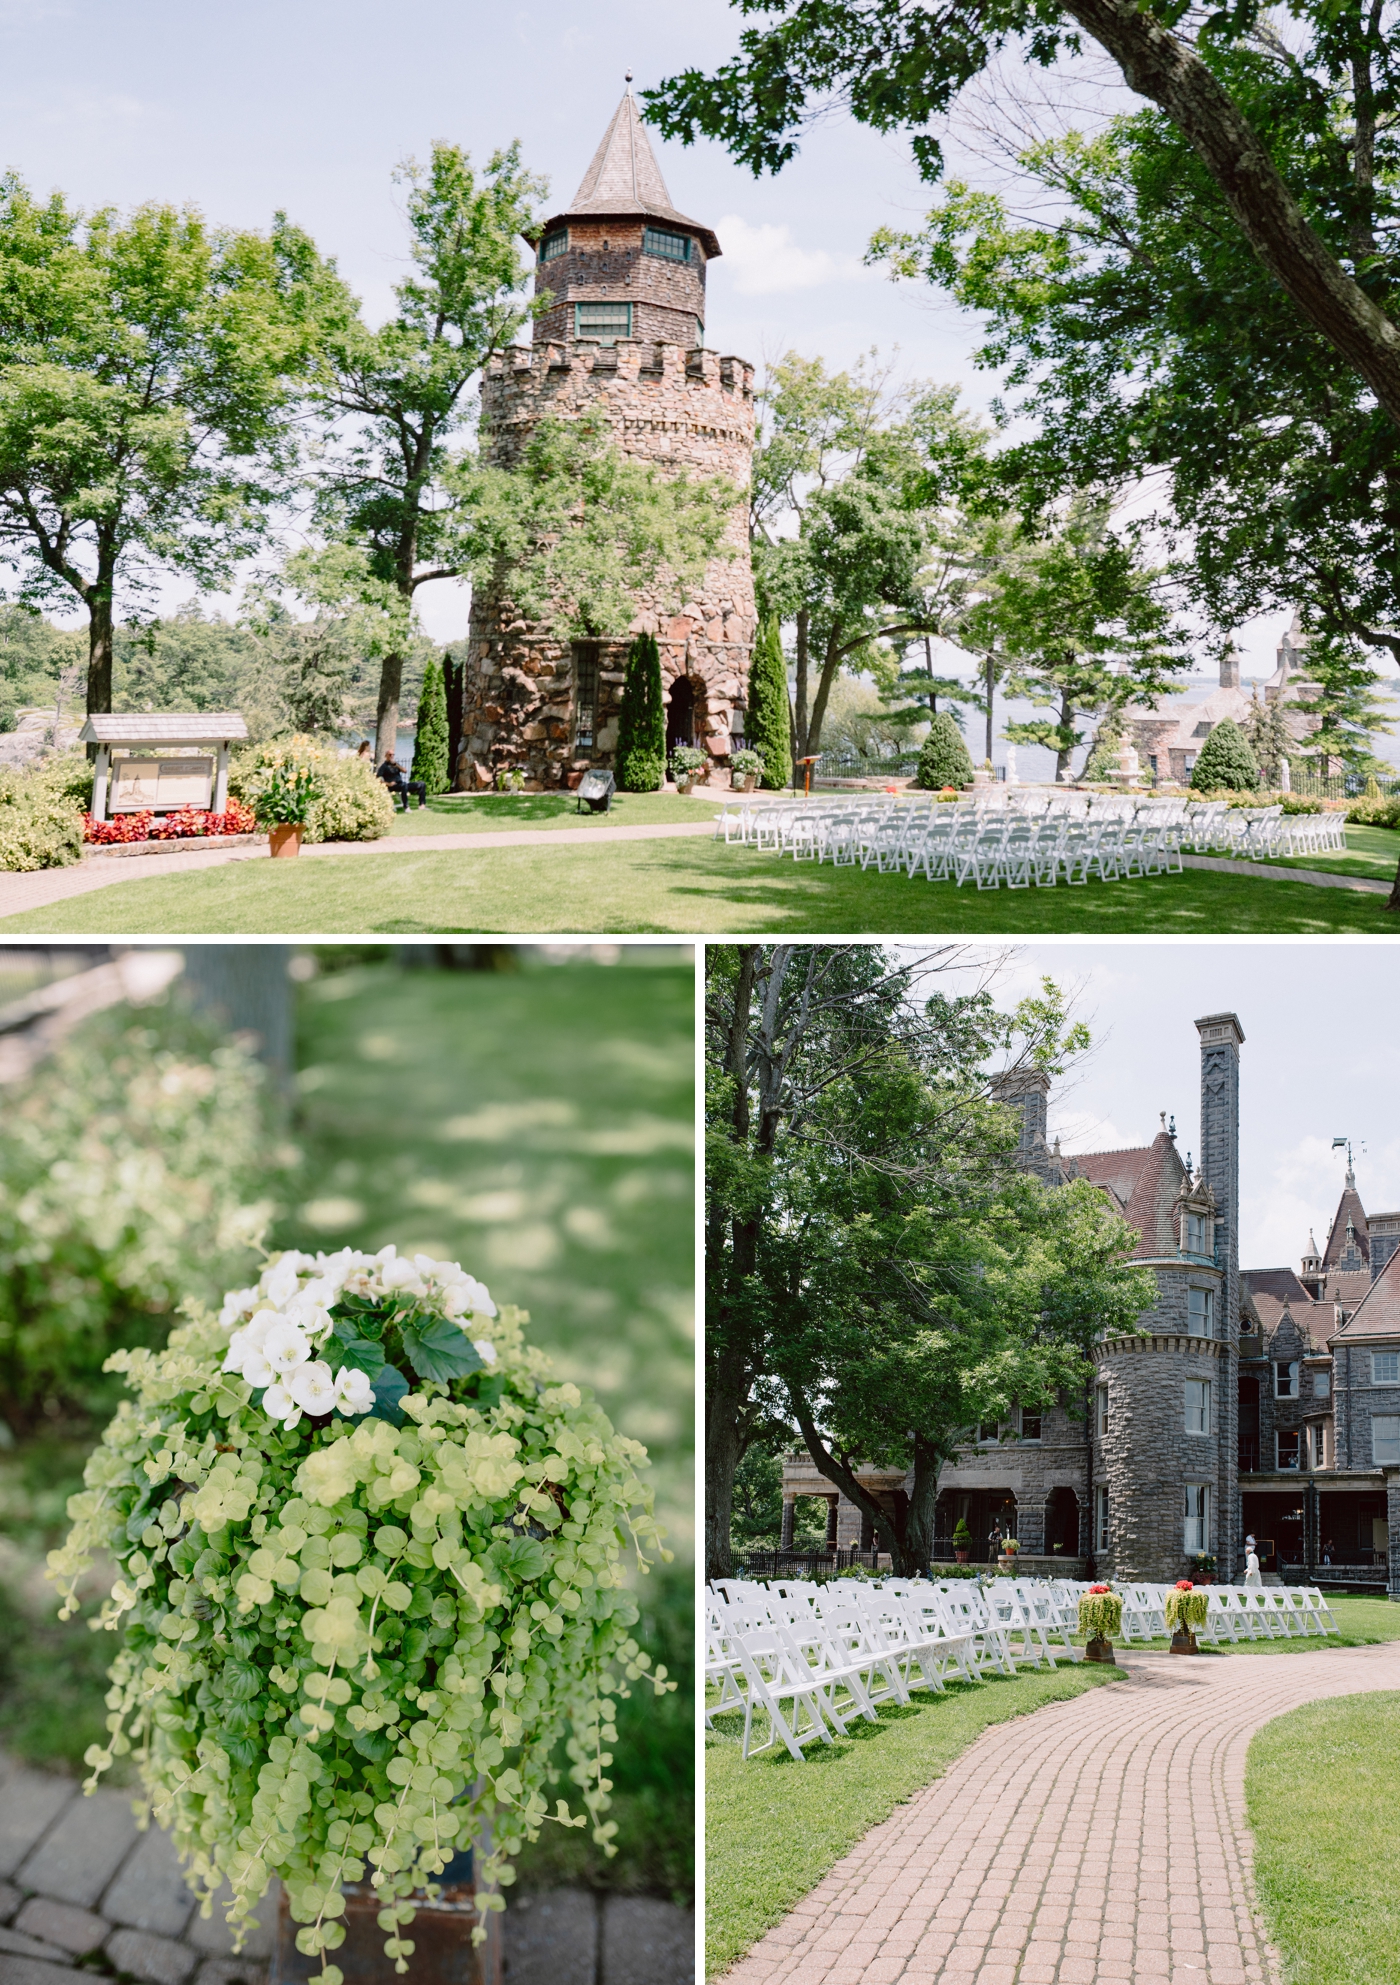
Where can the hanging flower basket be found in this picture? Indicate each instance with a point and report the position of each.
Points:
(1100, 1618)
(371, 1573)
(1185, 1610)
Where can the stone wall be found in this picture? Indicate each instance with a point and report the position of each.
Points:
(690, 412)
(1357, 1400)
(1147, 1457)
(604, 263)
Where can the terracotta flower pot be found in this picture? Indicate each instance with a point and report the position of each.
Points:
(286, 841)
(750, 784)
(960, 1557)
(441, 1933)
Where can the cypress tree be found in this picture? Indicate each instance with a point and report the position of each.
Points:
(1226, 763)
(769, 726)
(430, 738)
(944, 759)
(641, 725)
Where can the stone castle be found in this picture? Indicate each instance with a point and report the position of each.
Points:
(623, 335)
(1258, 1400)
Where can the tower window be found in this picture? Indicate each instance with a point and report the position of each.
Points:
(660, 241)
(1101, 1409)
(1200, 1312)
(699, 330)
(1198, 1406)
(585, 693)
(1030, 1426)
(1286, 1379)
(1100, 1518)
(554, 244)
(1385, 1368)
(603, 321)
(1197, 1536)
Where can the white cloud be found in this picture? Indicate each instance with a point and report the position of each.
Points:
(766, 261)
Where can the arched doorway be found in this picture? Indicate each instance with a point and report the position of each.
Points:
(680, 714)
(979, 1509)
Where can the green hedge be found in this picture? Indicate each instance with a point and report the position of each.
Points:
(41, 812)
(353, 805)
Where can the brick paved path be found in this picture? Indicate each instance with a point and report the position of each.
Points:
(1052, 1852)
(77, 1880)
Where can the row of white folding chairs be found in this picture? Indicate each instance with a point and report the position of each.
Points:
(1236, 1612)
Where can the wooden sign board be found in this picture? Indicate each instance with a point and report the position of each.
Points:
(142, 785)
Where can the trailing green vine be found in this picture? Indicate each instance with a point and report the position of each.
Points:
(363, 1595)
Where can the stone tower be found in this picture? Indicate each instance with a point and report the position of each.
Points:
(1165, 1445)
(624, 335)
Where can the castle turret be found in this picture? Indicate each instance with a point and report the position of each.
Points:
(622, 336)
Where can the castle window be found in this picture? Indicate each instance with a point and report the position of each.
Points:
(1317, 1444)
(1197, 1536)
(554, 244)
(660, 241)
(1194, 1233)
(1287, 1450)
(603, 321)
(1100, 1518)
(1030, 1426)
(1101, 1410)
(1385, 1439)
(1200, 1312)
(1198, 1406)
(1286, 1379)
(699, 330)
(585, 693)
(1322, 1385)
(1385, 1368)
(987, 1431)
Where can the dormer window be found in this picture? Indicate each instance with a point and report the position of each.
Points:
(554, 244)
(1194, 1233)
(661, 241)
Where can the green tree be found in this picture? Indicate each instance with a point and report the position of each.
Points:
(641, 724)
(1340, 699)
(944, 759)
(430, 742)
(898, 67)
(1269, 738)
(150, 373)
(768, 726)
(1226, 761)
(402, 391)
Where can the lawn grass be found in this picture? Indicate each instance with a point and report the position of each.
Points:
(1320, 1798)
(774, 1827)
(494, 813)
(1370, 851)
(686, 886)
(1362, 1622)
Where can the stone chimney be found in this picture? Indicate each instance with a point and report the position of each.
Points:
(1028, 1091)
(1230, 669)
(1221, 1040)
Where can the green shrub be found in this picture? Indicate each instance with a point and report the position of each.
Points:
(41, 812)
(962, 1536)
(944, 759)
(351, 804)
(430, 739)
(641, 728)
(768, 727)
(133, 1172)
(1100, 1615)
(1375, 813)
(1226, 761)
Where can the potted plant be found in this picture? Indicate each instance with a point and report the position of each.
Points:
(371, 1572)
(686, 761)
(283, 803)
(1185, 1610)
(1100, 1617)
(1203, 1567)
(747, 767)
(962, 1541)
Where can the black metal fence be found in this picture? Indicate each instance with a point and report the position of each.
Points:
(1369, 1578)
(806, 1564)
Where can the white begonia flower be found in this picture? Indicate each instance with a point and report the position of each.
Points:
(245, 1352)
(285, 1347)
(237, 1303)
(353, 1391)
(310, 1317)
(402, 1275)
(465, 1296)
(279, 1404)
(312, 1386)
(485, 1349)
(256, 1369)
(282, 1282)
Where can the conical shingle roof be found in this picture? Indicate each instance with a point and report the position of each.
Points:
(624, 179)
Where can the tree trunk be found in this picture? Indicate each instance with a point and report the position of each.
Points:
(386, 722)
(1393, 900)
(1063, 756)
(99, 680)
(454, 677)
(1171, 75)
(831, 665)
(726, 1395)
(799, 719)
(919, 1520)
(846, 1481)
(246, 988)
(991, 680)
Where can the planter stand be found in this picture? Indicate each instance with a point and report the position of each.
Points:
(441, 1934)
(1099, 1649)
(1184, 1642)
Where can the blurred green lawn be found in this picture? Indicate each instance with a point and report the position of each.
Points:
(538, 1126)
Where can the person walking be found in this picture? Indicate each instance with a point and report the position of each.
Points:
(1252, 1573)
(994, 1542)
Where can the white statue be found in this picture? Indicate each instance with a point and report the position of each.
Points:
(1284, 777)
(1252, 1574)
(1011, 775)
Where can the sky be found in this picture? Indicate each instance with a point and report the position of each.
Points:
(1321, 1059)
(248, 107)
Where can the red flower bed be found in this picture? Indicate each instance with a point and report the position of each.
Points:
(189, 823)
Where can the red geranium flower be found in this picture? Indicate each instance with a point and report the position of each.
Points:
(1098, 1588)
(1184, 1585)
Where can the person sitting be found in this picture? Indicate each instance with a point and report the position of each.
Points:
(363, 751)
(392, 773)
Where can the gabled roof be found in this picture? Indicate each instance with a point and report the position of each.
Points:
(165, 727)
(624, 179)
(1378, 1312)
(1144, 1183)
(1348, 1207)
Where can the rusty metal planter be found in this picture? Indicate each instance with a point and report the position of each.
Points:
(441, 1934)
